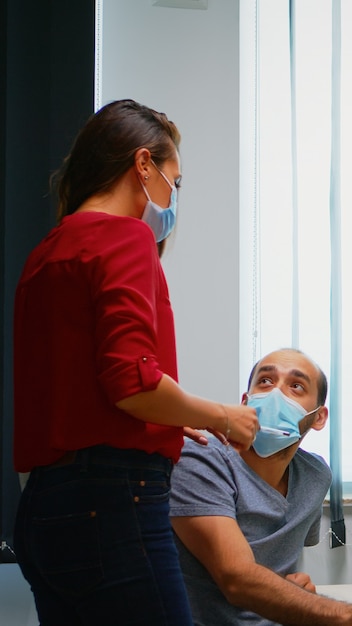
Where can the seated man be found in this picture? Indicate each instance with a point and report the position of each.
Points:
(241, 518)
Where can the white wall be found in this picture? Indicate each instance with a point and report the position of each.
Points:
(185, 62)
(328, 566)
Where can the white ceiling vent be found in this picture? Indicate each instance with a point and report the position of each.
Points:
(182, 4)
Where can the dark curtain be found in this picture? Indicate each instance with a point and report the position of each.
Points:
(46, 95)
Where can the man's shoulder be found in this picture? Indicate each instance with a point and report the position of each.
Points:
(311, 457)
(203, 481)
(312, 462)
(200, 467)
(213, 453)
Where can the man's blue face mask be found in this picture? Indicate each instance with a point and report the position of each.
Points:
(279, 412)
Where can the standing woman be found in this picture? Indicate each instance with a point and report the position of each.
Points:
(99, 415)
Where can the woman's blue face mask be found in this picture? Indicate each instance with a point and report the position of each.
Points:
(279, 412)
(160, 220)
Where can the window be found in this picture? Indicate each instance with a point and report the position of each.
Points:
(296, 124)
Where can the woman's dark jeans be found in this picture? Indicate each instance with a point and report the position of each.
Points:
(94, 541)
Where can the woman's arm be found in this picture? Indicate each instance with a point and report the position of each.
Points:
(170, 405)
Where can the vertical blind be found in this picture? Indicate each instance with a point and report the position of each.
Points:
(296, 132)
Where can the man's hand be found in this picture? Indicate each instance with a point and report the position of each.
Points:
(302, 580)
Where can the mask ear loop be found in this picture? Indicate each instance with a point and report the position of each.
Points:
(146, 192)
(311, 412)
(163, 175)
(144, 187)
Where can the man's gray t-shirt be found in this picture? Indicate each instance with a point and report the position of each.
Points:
(215, 480)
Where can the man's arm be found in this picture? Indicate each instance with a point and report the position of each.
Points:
(218, 543)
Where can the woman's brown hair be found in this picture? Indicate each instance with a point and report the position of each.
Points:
(104, 150)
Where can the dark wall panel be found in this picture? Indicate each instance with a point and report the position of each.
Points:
(47, 93)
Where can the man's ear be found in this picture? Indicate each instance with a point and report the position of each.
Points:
(320, 419)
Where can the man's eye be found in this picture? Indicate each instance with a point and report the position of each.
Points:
(298, 386)
(178, 182)
(265, 381)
